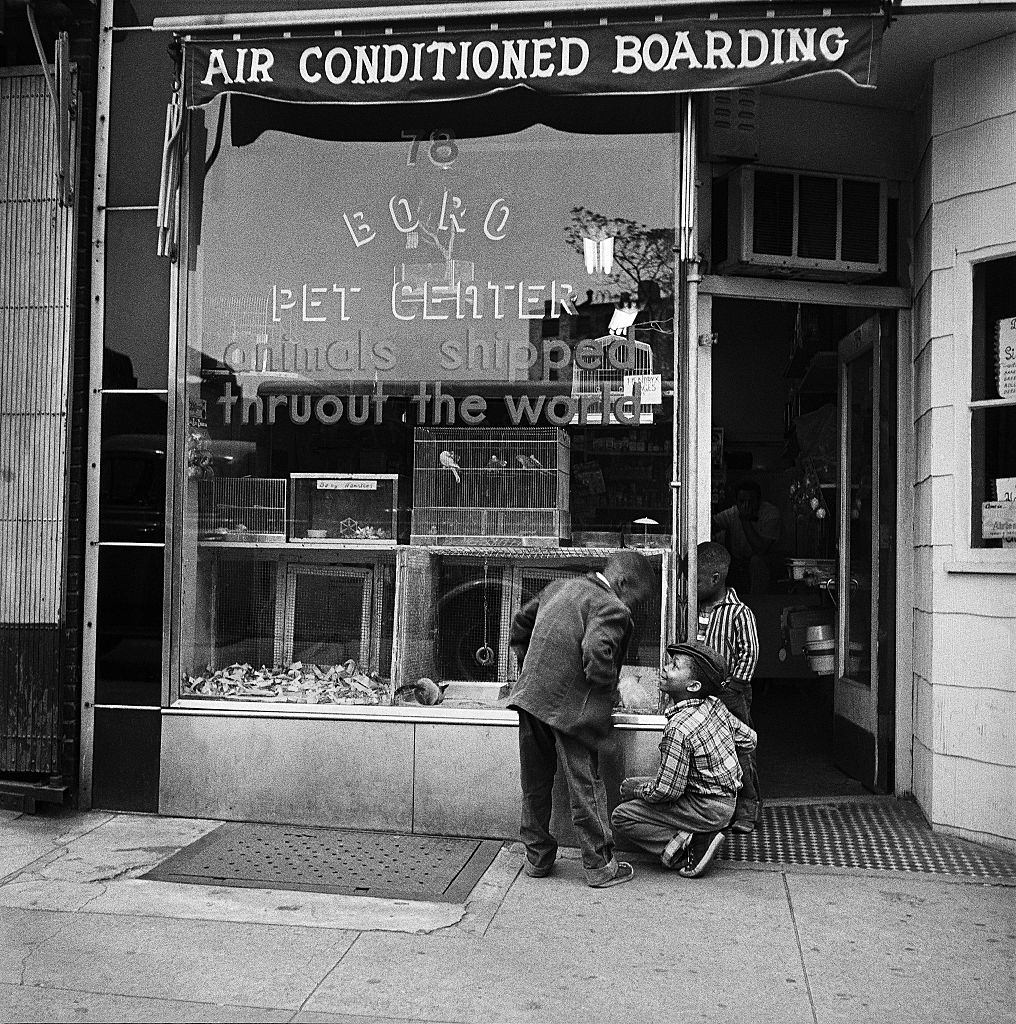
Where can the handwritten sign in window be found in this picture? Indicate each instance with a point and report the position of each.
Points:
(1005, 357)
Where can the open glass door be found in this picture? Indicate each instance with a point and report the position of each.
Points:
(865, 576)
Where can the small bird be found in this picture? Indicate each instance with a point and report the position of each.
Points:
(448, 461)
(496, 463)
(532, 462)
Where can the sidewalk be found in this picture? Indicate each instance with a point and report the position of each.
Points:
(81, 938)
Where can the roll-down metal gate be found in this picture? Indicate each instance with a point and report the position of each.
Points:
(36, 313)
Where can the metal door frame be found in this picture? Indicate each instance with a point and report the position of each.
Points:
(891, 301)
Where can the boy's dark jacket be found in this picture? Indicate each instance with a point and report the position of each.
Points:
(571, 642)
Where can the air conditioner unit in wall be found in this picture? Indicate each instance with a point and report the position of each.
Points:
(802, 224)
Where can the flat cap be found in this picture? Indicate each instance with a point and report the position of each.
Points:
(712, 664)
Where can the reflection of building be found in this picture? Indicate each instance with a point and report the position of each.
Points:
(786, 323)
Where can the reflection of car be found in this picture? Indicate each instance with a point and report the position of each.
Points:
(132, 492)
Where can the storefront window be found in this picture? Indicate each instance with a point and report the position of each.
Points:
(993, 409)
(425, 367)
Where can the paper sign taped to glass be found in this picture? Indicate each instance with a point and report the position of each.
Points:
(998, 520)
(1005, 357)
(652, 387)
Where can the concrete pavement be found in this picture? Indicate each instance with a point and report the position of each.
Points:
(83, 938)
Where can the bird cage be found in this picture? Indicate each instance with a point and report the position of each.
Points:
(613, 350)
(246, 509)
(491, 486)
(345, 508)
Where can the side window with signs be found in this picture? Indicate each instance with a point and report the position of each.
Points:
(993, 405)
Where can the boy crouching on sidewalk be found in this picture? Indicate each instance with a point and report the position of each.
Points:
(679, 814)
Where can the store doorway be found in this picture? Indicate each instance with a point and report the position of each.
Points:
(803, 412)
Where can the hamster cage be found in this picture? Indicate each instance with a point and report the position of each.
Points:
(345, 508)
(493, 486)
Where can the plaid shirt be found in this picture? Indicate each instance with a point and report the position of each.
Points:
(729, 629)
(698, 752)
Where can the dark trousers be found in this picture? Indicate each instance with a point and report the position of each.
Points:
(653, 826)
(737, 699)
(541, 751)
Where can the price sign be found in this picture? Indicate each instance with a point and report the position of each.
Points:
(1005, 488)
(1005, 357)
(652, 387)
(998, 520)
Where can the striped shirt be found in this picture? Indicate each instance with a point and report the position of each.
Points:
(698, 752)
(729, 629)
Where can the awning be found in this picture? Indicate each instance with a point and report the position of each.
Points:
(665, 55)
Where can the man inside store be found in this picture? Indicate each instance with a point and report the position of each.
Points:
(751, 527)
(727, 625)
(571, 641)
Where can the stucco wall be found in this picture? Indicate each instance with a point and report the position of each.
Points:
(964, 622)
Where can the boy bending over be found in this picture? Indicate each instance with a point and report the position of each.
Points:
(679, 814)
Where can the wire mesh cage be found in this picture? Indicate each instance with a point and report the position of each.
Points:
(345, 508)
(618, 359)
(328, 615)
(244, 614)
(491, 486)
(470, 644)
(249, 509)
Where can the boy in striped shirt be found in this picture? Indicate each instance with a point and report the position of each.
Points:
(679, 815)
(727, 625)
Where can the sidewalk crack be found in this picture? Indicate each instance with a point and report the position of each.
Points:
(800, 948)
(327, 975)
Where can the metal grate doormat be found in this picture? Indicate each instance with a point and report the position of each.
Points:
(251, 855)
(889, 835)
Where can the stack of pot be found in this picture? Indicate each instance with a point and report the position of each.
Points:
(820, 650)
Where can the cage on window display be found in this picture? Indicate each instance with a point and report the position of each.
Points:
(633, 358)
(345, 508)
(455, 613)
(294, 632)
(491, 486)
(249, 510)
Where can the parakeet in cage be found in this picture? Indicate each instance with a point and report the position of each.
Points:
(449, 461)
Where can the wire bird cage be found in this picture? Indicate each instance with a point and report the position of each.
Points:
(491, 486)
(612, 350)
(248, 509)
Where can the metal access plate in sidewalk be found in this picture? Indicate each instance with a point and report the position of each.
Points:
(328, 860)
(881, 835)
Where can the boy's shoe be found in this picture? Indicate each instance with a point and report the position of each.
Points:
(625, 872)
(744, 826)
(675, 854)
(536, 872)
(703, 849)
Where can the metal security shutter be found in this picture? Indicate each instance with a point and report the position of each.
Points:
(36, 313)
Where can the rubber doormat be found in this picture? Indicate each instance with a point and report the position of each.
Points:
(889, 835)
(251, 855)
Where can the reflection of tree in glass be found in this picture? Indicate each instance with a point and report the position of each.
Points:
(643, 256)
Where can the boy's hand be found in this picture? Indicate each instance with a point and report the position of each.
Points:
(628, 788)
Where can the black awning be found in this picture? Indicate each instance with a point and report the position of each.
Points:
(666, 56)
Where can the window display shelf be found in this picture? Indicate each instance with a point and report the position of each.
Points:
(305, 545)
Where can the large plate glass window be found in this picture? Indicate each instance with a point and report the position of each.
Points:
(430, 325)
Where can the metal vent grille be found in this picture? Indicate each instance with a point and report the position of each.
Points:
(817, 215)
(328, 860)
(889, 835)
(773, 214)
(861, 216)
